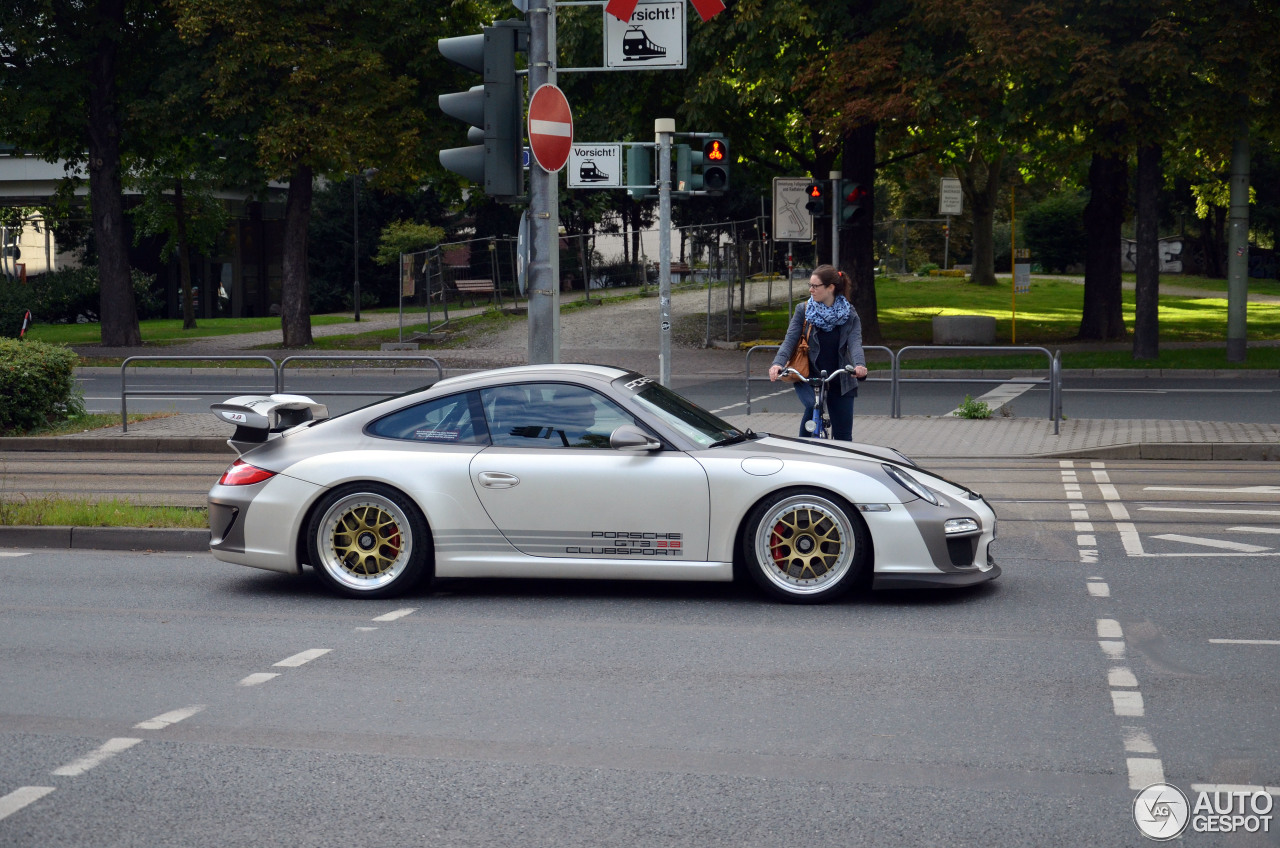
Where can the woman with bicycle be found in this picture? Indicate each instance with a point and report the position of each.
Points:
(835, 341)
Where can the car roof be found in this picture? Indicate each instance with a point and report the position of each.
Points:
(520, 373)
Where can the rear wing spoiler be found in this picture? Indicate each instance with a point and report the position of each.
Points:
(259, 417)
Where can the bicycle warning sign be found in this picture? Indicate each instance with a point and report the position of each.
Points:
(653, 38)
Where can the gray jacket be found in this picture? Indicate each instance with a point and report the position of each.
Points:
(851, 352)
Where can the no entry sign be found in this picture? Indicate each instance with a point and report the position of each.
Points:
(550, 128)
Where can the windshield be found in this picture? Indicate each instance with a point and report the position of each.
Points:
(687, 418)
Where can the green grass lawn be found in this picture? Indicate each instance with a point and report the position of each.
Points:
(1049, 316)
(78, 512)
(168, 330)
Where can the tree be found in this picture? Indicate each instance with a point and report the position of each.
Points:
(179, 205)
(65, 70)
(322, 89)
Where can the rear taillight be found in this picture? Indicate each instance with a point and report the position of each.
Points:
(242, 473)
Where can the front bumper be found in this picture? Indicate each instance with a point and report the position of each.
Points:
(953, 580)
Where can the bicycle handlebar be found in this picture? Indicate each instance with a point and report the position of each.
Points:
(848, 369)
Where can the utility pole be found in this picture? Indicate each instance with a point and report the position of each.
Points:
(835, 176)
(544, 204)
(663, 129)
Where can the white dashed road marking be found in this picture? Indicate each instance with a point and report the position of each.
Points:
(302, 658)
(1144, 771)
(1244, 641)
(19, 798)
(14, 553)
(160, 722)
(400, 613)
(109, 749)
(258, 677)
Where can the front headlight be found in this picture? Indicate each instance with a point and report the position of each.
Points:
(957, 526)
(911, 484)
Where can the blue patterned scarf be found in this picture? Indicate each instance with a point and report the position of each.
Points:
(827, 318)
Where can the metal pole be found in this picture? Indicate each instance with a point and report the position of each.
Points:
(835, 217)
(663, 129)
(946, 246)
(355, 237)
(544, 203)
(400, 298)
(1238, 248)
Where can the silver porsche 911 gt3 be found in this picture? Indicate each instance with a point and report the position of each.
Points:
(579, 471)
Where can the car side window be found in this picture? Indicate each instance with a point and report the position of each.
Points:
(551, 415)
(446, 420)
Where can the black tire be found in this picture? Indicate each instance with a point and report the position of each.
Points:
(804, 546)
(367, 540)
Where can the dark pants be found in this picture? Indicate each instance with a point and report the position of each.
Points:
(839, 406)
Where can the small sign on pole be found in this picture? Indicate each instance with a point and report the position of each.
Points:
(791, 221)
(950, 197)
(595, 166)
(654, 37)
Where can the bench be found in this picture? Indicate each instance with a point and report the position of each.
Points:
(471, 288)
(678, 269)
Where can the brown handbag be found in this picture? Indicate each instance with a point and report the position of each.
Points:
(800, 358)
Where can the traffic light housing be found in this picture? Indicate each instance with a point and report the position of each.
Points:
(494, 109)
(855, 204)
(715, 164)
(815, 203)
(686, 160)
(640, 172)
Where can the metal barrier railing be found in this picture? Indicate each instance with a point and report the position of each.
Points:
(754, 348)
(277, 375)
(1054, 380)
(348, 358)
(125, 393)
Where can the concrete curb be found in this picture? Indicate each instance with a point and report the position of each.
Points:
(106, 538)
(1220, 451)
(117, 444)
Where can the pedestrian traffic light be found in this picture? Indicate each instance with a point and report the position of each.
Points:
(855, 203)
(494, 109)
(715, 164)
(815, 204)
(640, 172)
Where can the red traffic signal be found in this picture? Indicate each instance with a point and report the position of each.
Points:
(715, 164)
(815, 203)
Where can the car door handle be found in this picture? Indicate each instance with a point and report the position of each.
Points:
(497, 479)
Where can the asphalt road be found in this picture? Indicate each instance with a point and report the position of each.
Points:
(1133, 636)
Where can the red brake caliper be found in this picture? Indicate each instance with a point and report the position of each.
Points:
(775, 544)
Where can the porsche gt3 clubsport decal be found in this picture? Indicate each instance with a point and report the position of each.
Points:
(569, 543)
(630, 543)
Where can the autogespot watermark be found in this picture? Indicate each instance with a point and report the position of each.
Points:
(1162, 811)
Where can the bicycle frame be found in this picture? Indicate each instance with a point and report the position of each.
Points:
(818, 424)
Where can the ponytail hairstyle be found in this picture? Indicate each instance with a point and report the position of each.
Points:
(831, 277)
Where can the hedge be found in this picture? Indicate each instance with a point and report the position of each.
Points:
(65, 297)
(37, 385)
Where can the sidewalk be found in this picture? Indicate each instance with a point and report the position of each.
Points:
(624, 334)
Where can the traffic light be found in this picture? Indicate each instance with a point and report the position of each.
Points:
(640, 171)
(715, 164)
(855, 202)
(494, 109)
(815, 204)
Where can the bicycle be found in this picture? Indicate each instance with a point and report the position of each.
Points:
(819, 425)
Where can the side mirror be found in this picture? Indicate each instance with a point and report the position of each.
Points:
(631, 438)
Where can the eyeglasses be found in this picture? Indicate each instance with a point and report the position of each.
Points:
(818, 286)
